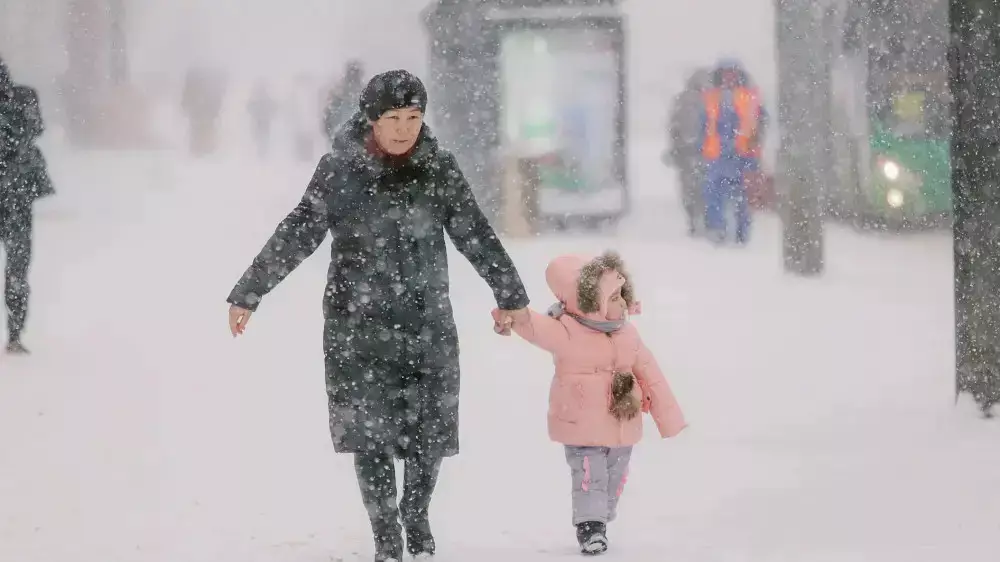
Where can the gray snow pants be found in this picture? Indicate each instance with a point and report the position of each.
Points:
(599, 476)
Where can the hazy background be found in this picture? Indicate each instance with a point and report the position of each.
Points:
(255, 39)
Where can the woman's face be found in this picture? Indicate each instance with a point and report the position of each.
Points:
(398, 130)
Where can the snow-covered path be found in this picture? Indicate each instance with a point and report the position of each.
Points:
(822, 422)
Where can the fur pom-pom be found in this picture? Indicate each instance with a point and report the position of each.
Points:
(625, 405)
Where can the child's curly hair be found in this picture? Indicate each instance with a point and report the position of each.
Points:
(625, 405)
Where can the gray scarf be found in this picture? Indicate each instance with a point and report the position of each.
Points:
(605, 326)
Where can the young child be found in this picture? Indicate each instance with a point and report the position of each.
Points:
(605, 377)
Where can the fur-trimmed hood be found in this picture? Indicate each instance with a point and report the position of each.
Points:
(583, 284)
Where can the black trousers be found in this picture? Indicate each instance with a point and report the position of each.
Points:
(377, 479)
(692, 179)
(15, 238)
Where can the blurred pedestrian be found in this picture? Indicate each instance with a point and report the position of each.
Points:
(684, 133)
(732, 118)
(201, 101)
(262, 109)
(343, 98)
(304, 111)
(24, 179)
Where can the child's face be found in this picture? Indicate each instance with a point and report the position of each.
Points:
(616, 306)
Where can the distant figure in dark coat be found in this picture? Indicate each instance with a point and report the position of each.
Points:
(343, 100)
(684, 147)
(262, 108)
(24, 179)
(201, 101)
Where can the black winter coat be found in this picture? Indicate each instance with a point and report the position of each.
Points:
(684, 128)
(390, 341)
(23, 171)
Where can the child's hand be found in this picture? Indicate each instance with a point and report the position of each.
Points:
(503, 320)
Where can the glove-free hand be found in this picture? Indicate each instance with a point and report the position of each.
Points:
(238, 318)
(504, 319)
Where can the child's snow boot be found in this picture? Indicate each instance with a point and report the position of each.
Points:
(592, 536)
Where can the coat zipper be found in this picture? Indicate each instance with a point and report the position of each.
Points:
(614, 366)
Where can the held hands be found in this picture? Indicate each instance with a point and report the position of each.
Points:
(504, 319)
(238, 318)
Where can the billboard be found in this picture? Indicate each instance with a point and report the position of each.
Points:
(559, 107)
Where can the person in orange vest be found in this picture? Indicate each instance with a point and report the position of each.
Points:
(732, 118)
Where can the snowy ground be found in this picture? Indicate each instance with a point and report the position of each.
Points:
(823, 426)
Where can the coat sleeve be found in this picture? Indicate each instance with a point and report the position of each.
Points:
(702, 126)
(542, 331)
(33, 113)
(473, 236)
(30, 121)
(674, 127)
(657, 395)
(295, 239)
(763, 120)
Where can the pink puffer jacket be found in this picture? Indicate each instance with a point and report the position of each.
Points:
(586, 359)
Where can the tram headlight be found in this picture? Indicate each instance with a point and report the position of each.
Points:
(890, 170)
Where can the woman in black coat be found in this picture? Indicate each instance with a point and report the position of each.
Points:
(388, 193)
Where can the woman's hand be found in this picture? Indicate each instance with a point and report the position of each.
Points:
(504, 319)
(238, 318)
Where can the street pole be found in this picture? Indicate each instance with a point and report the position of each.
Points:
(803, 121)
(974, 64)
